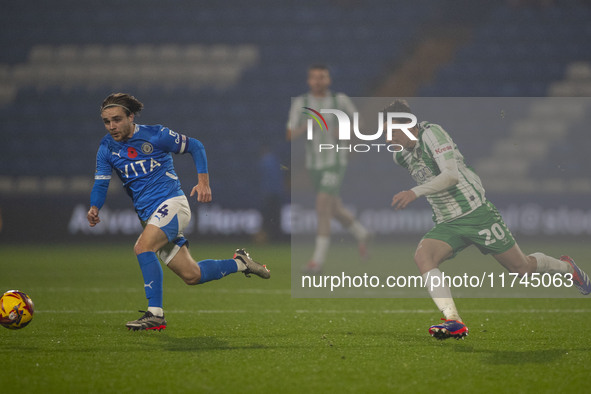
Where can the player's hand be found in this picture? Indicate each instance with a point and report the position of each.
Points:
(203, 192)
(402, 199)
(93, 216)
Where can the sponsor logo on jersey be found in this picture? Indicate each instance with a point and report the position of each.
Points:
(441, 150)
(139, 167)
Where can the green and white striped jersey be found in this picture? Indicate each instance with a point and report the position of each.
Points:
(328, 158)
(434, 152)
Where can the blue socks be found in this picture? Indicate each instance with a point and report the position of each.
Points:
(153, 275)
(216, 269)
(153, 278)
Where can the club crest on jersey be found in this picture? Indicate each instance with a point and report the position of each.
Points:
(147, 148)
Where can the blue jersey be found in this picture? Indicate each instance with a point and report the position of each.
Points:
(144, 165)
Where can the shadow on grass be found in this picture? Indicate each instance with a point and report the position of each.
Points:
(204, 343)
(517, 357)
(508, 357)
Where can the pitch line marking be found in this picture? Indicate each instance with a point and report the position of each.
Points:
(326, 311)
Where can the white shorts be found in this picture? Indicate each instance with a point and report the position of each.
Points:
(172, 216)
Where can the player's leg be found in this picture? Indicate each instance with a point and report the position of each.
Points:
(438, 245)
(163, 233)
(328, 205)
(175, 253)
(348, 221)
(514, 260)
(194, 273)
(150, 240)
(498, 241)
(165, 224)
(342, 214)
(429, 255)
(322, 243)
(182, 263)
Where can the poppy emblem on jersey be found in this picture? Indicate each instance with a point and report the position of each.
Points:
(147, 148)
(131, 152)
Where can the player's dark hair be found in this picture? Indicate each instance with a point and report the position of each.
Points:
(130, 104)
(319, 66)
(398, 105)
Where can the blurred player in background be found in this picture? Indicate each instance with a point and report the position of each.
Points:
(326, 168)
(141, 157)
(463, 217)
(271, 188)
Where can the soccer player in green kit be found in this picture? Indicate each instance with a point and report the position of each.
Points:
(463, 216)
(327, 168)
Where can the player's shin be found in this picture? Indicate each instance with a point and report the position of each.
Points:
(551, 265)
(216, 269)
(321, 249)
(358, 230)
(441, 294)
(153, 281)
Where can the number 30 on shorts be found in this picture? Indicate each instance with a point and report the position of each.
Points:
(329, 179)
(496, 231)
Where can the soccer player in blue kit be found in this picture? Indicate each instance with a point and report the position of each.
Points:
(141, 157)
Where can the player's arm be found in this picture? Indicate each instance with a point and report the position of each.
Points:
(172, 141)
(98, 195)
(292, 134)
(197, 151)
(294, 127)
(202, 188)
(448, 177)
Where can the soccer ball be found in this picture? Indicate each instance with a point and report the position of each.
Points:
(16, 309)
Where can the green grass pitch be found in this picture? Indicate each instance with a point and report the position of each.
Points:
(248, 335)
